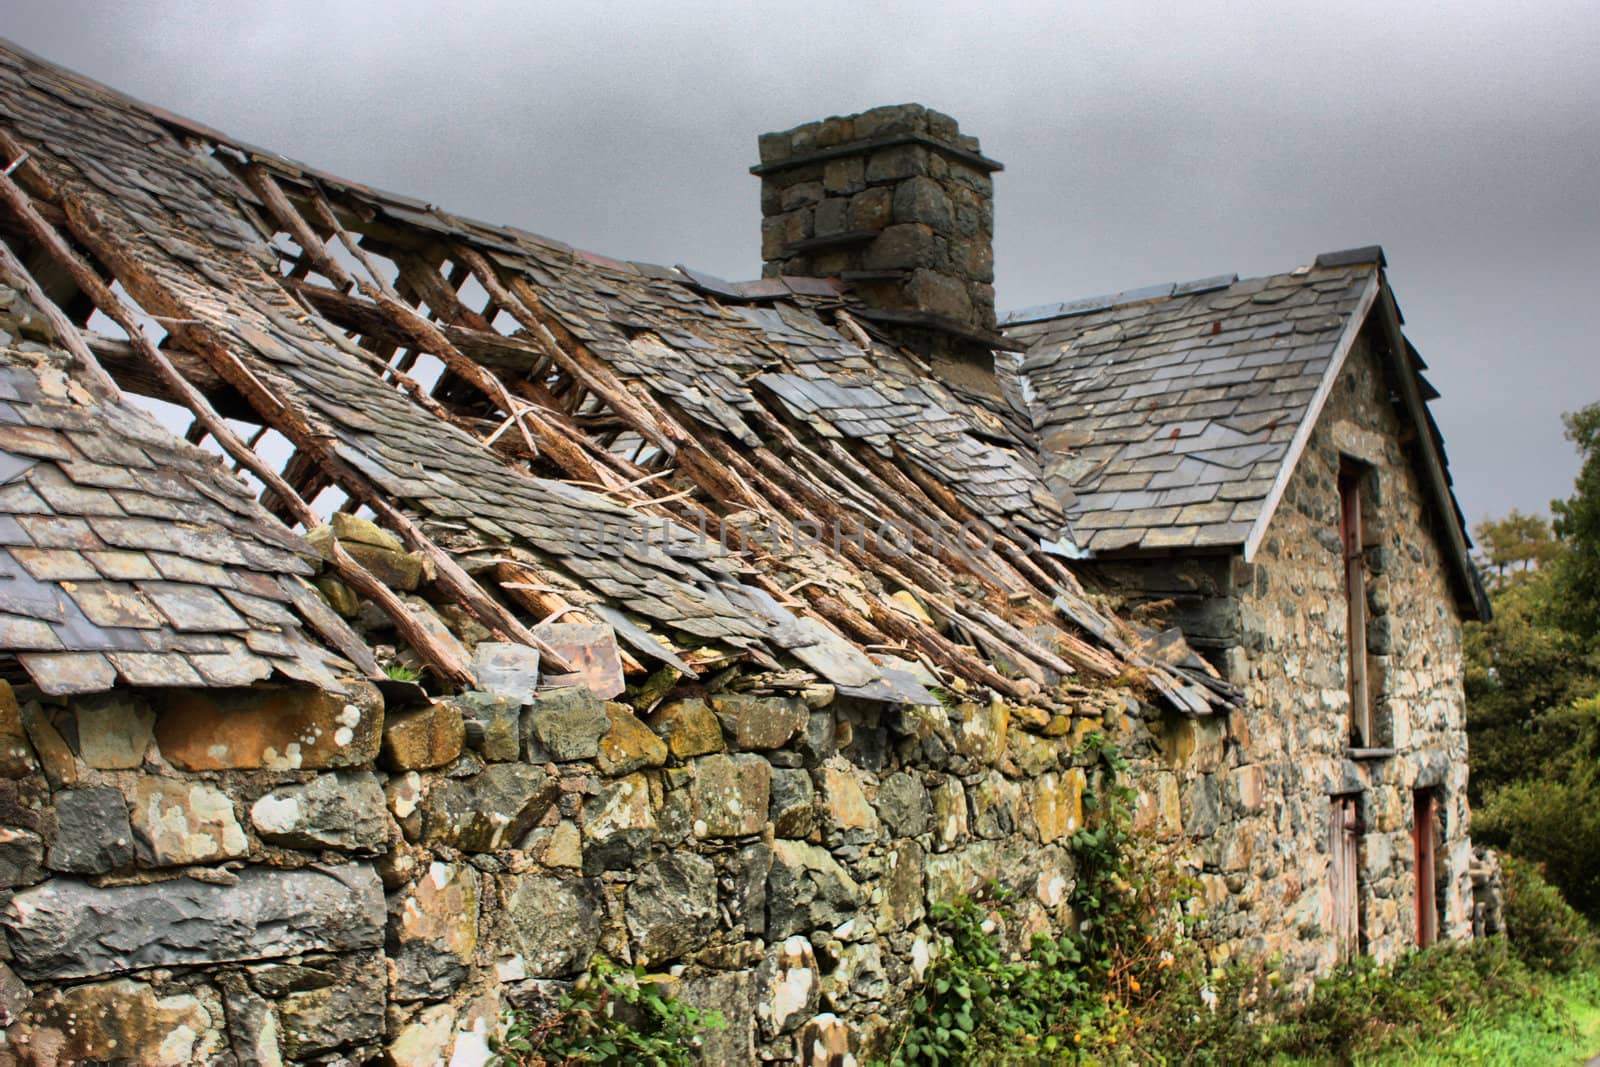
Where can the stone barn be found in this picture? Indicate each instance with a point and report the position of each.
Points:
(399, 612)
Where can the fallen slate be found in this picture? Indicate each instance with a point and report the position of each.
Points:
(507, 669)
(67, 928)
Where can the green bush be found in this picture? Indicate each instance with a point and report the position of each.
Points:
(613, 1017)
(1545, 931)
(1554, 819)
(1363, 1007)
(979, 1006)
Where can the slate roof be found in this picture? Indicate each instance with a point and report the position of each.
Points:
(1166, 415)
(128, 555)
(767, 400)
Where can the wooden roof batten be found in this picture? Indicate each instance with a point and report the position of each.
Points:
(772, 407)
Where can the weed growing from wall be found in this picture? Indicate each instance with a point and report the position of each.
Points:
(610, 1017)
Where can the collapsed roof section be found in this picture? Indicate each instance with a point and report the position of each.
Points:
(717, 471)
(127, 555)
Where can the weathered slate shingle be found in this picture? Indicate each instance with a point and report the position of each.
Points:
(90, 595)
(1165, 416)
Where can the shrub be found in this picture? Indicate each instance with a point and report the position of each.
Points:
(1545, 931)
(1555, 820)
(613, 1017)
(1364, 1006)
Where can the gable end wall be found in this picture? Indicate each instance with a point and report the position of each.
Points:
(1293, 630)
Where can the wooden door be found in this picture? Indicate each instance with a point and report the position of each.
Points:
(1344, 839)
(1424, 843)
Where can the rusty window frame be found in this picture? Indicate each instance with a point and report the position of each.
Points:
(1362, 727)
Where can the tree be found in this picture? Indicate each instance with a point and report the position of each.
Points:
(1521, 671)
(1514, 545)
(1577, 524)
(1554, 818)
(1533, 683)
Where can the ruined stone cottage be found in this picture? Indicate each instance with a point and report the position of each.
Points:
(398, 610)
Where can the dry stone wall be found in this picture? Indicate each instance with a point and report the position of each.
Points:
(1294, 624)
(286, 876)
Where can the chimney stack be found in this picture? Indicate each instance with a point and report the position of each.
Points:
(899, 203)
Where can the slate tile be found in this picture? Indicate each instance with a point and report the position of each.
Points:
(204, 643)
(1114, 540)
(268, 644)
(261, 609)
(151, 506)
(19, 632)
(67, 673)
(1249, 489)
(115, 604)
(1206, 513)
(1240, 456)
(56, 531)
(104, 449)
(67, 498)
(11, 532)
(1192, 494)
(196, 572)
(121, 565)
(1150, 517)
(1168, 537)
(195, 542)
(20, 499)
(155, 669)
(98, 475)
(34, 441)
(233, 668)
(54, 564)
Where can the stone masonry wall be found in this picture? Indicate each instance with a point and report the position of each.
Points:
(896, 200)
(1294, 625)
(285, 876)
(1277, 627)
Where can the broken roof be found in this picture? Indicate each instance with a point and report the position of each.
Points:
(127, 554)
(560, 432)
(1170, 418)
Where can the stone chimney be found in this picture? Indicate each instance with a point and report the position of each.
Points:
(897, 202)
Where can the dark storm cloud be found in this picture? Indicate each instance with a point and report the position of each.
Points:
(1149, 145)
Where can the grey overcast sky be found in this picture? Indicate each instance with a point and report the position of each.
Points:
(1144, 143)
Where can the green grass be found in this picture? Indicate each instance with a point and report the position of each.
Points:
(1560, 1029)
